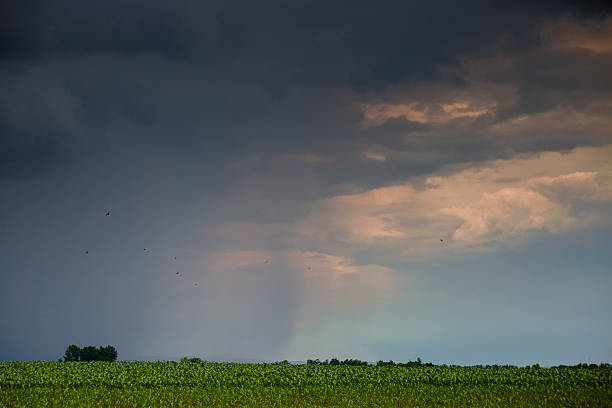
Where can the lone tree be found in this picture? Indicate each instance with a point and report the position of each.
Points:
(90, 353)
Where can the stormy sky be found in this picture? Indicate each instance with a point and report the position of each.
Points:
(307, 179)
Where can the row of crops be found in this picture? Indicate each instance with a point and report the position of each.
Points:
(136, 384)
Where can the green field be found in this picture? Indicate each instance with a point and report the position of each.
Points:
(169, 384)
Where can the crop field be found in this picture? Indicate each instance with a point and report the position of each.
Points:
(170, 384)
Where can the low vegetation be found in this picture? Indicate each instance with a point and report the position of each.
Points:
(90, 353)
(197, 383)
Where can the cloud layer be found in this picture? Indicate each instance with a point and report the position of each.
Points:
(476, 206)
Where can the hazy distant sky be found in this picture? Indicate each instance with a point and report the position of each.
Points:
(351, 179)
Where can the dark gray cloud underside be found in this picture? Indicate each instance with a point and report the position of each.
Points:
(342, 41)
(231, 76)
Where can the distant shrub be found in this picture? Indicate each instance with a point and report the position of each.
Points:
(417, 363)
(335, 361)
(191, 360)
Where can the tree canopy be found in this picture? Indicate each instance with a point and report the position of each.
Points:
(90, 353)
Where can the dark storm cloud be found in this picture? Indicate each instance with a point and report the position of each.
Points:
(226, 78)
(40, 121)
(338, 41)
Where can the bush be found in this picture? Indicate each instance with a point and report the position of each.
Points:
(335, 361)
(191, 360)
(90, 353)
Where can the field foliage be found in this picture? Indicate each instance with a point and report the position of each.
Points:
(187, 384)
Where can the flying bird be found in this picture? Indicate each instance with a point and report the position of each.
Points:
(195, 284)
(107, 213)
(177, 273)
(175, 258)
(86, 252)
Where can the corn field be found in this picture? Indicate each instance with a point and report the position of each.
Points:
(170, 384)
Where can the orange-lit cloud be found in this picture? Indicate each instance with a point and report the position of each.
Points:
(499, 200)
(428, 112)
(435, 103)
(595, 36)
(507, 213)
(469, 208)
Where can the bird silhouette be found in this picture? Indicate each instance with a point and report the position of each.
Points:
(175, 258)
(195, 284)
(177, 273)
(86, 252)
(107, 213)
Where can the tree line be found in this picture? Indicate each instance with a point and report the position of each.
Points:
(380, 363)
(90, 353)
